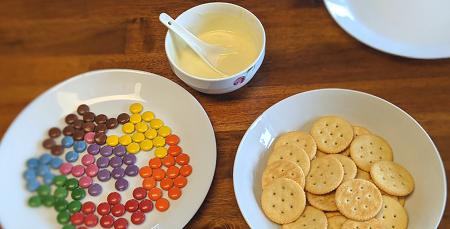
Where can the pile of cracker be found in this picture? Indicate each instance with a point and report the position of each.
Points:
(339, 176)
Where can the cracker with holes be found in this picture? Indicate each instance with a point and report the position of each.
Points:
(349, 166)
(369, 224)
(392, 178)
(363, 175)
(336, 222)
(283, 200)
(291, 153)
(324, 202)
(332, 134)
(283, 169)
(298, 138)
(325, 175)
(392, 214)
(310, 218)
(358, 199)
(359, 130)
(367, 149)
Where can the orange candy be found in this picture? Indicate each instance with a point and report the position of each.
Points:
(145, 172)
(154, 194)
(174, 193)
(180, 181)
(148, 183)
(173, 172)
(182, 159)
(162, 204)
(168, 161)
(155, 163)
(186, 170)
(159, 174)
(174, 150)
(172, 139)
(166, 183)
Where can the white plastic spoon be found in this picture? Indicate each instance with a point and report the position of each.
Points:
(209, 53)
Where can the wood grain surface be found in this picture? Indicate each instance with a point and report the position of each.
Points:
(43, 43)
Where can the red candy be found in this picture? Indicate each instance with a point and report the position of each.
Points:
(113, 198)
(132, 205)
(88, 208)
(103, 208)
(107, 221)
(146, 205)
(121, 223)
(77, 218)
(139, 193)
(118, 210)
(137, 218)
(90, 220)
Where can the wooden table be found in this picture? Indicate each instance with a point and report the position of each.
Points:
(45, 42)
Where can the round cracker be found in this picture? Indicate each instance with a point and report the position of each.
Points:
(359, 130)
(367, 149)
(392, 178)
(325, 175)
(283, 169)
(401, 200)
(369, 224)
(346, 152)
(333, 134)
(331, 214)
(349, 166)
(320, 153)
(299, 138)
(292, 153)
(283, 200)
(336, 222)
(392, 214)
(310, 218)
(358, 199)
(324, 202)
(363, 175)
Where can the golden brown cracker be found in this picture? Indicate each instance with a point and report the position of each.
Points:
(349, 166)
(336, 222)
(392, 178)
(401, 200)
(392, 214)
(325, 202)
(283, 169)
(299, 138)
(369, 224)
(367, 149)
(292, 153)
(332, 134)
(363, 175)
(359, 130)
(310, 218)
(325, 175)
(331, 214)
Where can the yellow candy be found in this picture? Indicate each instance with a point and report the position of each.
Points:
(135, 108)
(128, 128)
(133, 148)
(159, 141)
(138, 137)
(135, 118)
(141, 127)
(156, 123)
(146, 145)
(160, 152)
(150, 134)
(148, 116)
(112, 140)
(164, 131)
(125, 140)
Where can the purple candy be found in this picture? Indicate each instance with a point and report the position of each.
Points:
(119, 150)
(132, 170)
(93, 149)
(95, 189)
(121, 184)
(115, 162)
(129, 159)
(106, 151)
(117, 173)
(103, 175)
(102, 162)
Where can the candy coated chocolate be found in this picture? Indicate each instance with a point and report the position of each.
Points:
(101, 119)
(30, 174)
(87, 159)
(119, 150)
(103, 162)
(82, 109)
(121, 184)
(79, 146)
(32, 163)
(71, 156)
(44, 159)
(67, 141)
(68, 131)
(89, 117)
(70, 118)
(115, 162)
(129, 159)
(111, 123)
(48, 178)
(78, 124)
(55, 163)
(78, 135)
(54, 132)
(57, 150)
(106, 151)
(33, 185)
(92, 170)
(48, 143)
(89, 137)
(95, 190)
(100, 138)
(42, 170)
(131, 170)
(123, 118)
(103, 175)
(93, 149)
(117, 173)
(88, 127)
(100, 128)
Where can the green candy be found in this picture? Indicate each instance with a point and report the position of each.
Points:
(48, 201)
(60, 193)
(71, 184)
(78, 194)
(61, 205)
(43, 190)
(69, 226)
(34, 201)
(63, 217)
(74, 206)
(59, 180)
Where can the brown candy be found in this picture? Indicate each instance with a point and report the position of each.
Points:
(100, 128)
(48, 143)
(54, 132)
(88, 127)
(71, 118)
(101, 119)
(78, 124)
(68, 131)
(78, 135)
(82, 109)
(111, 123)
(100, 138)
(57, 150)
(89, 117)
(123, 118)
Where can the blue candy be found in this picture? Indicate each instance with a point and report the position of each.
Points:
(45, 159)
(30, 174)
(33, 185)
(71, 156)
(48, 178)
(32, 163)
(67, 141)
(79, 146)
(56, 162)
(42, 170)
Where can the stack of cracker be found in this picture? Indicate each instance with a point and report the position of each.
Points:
(344, 172)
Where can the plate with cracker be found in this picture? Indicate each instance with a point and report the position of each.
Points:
(338, 158)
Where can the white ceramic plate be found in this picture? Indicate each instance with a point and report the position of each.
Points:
(409, 28)
(110, 92)
(411, 145)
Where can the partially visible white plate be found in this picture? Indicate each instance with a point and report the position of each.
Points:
(110, 92)
(409, 28)
(411, 145)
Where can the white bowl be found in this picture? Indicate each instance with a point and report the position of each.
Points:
(412, 148)
(191, 19)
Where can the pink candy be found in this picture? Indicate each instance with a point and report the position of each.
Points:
(78, 171)
(88, 159)
(89, 137)
(92, 170)
(85, 182)
(65, 168)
